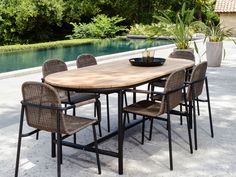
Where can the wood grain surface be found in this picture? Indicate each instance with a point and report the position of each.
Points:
(114, 74)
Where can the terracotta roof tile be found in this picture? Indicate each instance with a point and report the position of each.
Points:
(225, 6)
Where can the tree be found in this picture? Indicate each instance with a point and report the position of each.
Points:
(29, 20)
(80, 10)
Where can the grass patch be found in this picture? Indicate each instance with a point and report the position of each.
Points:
(21, 47)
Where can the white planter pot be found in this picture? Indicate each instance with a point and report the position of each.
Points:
(214, 53)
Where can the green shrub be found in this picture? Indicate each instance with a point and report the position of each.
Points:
(146, 30)
(101, 26)
(197, 27)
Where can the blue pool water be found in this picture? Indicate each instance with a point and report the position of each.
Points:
(27, 59)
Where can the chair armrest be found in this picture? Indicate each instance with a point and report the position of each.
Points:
(145, 92)
(194, 82)
(47, 106)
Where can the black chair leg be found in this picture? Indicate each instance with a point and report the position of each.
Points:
(53, 145)
(98, 107)
(209, 107)
(100, 129)
(152, 89)
(189, 135)
(181, 117)
(65, 110)
(188, 123)
(195, 125)
(134, 101)
(128, 119)
(108, 114)
(149, 87)
(190, 114)
(37, 135)
(150, 132)
(170, 141)
(59, 153)
(59, 146)
(74, 113)
(143, 130)
(95, 108)
(19, 142)
(74, 138)
(198, 109)
(96, 146)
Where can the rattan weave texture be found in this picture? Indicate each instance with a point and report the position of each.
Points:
(156, 108)
(85, 60)
(46, 119)
(198, 74)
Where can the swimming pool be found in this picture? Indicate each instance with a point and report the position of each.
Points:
(33, 58)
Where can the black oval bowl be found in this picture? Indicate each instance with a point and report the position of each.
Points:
(141, 62)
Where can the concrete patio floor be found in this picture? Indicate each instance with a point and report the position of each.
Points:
(214, 157)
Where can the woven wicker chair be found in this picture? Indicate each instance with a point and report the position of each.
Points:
(171, 98)
(42, 107)
(72, 98)
(175, 54)
(89, 60)
(195, 88)
(85, 60)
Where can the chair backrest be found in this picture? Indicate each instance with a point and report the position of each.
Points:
(197, 76)
(85, 60)
(183, 54)
(41, 118)
(51, 66)
(174, 85)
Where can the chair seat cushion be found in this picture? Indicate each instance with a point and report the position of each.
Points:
(79, 97)
(145, 107)
(74, 124)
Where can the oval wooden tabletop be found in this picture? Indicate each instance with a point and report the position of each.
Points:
(114, 74)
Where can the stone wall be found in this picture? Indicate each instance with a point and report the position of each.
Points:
(228, 20)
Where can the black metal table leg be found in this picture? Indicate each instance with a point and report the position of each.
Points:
(108, 113)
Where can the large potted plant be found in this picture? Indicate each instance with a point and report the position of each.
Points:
(179, 29)
(214, 46)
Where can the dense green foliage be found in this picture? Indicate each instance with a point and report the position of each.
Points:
(100, 27)
(179, 29)
(146, 30)
(30, 21)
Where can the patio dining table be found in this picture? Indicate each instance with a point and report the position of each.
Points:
(114, 76)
